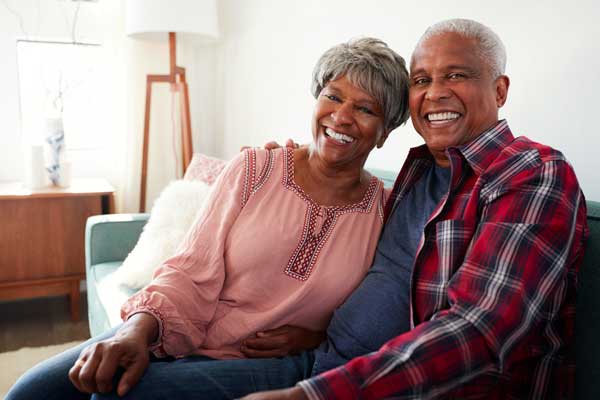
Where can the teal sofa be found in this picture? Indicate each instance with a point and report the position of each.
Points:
(587, 329)
(109, 238)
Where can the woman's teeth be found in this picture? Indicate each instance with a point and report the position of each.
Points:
(340, 137)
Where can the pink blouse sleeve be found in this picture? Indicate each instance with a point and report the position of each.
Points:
(184, 292)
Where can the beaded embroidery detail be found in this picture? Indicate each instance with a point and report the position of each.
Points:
(305, 256)
(249, 174)
(265, 173)
(380, 207)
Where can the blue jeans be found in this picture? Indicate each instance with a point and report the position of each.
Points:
(187, 378)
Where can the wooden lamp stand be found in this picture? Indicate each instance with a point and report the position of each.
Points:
(176, 79)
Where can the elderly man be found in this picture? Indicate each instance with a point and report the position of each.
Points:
(485, 232)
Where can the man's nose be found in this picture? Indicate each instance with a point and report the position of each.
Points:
(343, 114)
(437, 90)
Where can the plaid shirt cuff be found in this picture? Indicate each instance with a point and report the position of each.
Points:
(334, 384)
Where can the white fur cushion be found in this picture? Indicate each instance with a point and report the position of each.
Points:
(171, 217)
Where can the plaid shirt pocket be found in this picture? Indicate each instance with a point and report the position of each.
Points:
(452, 240)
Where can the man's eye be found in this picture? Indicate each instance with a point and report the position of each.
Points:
(456, 76)
(420, 81)
(332, 97)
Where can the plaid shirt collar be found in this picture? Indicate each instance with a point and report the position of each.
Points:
(478, 153)
(482, 150)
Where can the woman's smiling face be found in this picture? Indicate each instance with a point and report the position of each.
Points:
(347, 123)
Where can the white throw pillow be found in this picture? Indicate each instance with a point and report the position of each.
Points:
(172, 215)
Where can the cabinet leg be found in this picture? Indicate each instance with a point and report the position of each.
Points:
(74, 301)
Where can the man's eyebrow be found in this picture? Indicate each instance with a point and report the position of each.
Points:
(448, 68)
(462, 68)
(416, 71)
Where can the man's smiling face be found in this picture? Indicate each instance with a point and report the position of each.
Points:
(453, 97)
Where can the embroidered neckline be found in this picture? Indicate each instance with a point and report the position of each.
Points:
(363, 206)
(314, 237)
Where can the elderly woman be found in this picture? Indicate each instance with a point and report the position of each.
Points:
(285, 237)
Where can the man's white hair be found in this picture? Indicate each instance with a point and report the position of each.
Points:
(491, 48)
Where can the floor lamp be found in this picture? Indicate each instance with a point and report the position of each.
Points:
(152, 19)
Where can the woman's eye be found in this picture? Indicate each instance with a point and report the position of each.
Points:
(332, 97)
(456, 76)
(366, 110)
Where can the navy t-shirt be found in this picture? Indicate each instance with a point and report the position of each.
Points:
(378, 309)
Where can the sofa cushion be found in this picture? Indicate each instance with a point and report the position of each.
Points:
(110, 293)
(97, 306)
(204, 168)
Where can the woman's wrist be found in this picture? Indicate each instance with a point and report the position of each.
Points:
(142, 326)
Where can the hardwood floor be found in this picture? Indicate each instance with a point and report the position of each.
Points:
(40, 322)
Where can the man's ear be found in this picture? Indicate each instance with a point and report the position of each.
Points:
(502, 84)
(382, 139)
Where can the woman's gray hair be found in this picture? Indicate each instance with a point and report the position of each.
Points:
(491, 48)
(372, 66)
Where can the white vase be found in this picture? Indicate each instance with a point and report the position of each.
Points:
(55, 147)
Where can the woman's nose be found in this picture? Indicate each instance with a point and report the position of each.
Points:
(343, 114)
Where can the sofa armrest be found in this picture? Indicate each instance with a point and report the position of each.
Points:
(587, 321)
(111, 237)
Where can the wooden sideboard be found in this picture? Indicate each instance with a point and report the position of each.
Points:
(42, 238)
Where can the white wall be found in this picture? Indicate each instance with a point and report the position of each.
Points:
(254, 85)
(269, 48)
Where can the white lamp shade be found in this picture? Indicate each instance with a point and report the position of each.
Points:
(153, 19)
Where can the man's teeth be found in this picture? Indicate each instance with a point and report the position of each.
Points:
(340, 137)
(444, 116)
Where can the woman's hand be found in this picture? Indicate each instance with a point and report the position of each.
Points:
(280, 342)
(295, 393)
(97, 364)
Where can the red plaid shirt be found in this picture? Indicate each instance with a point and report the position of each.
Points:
(493, 285)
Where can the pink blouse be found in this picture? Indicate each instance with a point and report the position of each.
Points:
(260, 255)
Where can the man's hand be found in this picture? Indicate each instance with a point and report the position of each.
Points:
(272, 145)
(94, 370)
(280, 342)
(295, 393)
